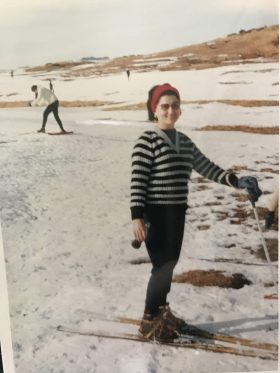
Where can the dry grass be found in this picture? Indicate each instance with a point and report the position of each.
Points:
(142, 105)
(243, 103)
(212, 278)
(242, 128)
(76, 103)
(248, 45)
(13, 104)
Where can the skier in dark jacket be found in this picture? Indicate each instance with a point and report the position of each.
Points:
(162, 162)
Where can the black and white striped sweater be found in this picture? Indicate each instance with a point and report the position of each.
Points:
(161, 170)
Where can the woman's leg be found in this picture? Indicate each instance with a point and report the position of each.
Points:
(158, 287)
(55, 113)
(164, 241)
(46, 113)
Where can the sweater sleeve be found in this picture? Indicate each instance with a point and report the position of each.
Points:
(211, 171)
(36, 101)
(142, 160)
(45, 97)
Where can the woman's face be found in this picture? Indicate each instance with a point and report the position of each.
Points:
(168, 111)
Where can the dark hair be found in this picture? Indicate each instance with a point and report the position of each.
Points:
(151, 114)
(33, 88)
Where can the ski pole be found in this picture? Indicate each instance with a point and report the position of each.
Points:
(264, 243)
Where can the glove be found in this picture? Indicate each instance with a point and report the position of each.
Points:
(251, 184)
(269, 219)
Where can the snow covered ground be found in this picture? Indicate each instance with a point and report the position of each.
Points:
(66, 223)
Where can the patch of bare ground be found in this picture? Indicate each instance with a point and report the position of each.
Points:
(234, 261)
(203, 227)
(142, 105)
(241, 128)
(62, 65)
(243, 103)
(140, 261)
(235, 82)
(139, 106)
(13, 104)
(255, 71)
(212, 278)
(241, 212)
(272, 248)
(237, 168)
(245, 45)
(76, 103)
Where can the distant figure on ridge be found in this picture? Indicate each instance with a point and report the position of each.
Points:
(43, 97)
(51, 85)
(128, 74)
(12, 73)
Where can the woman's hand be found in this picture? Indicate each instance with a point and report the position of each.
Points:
(251, 184)
(139, 230)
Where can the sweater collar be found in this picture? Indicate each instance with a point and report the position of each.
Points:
(165, 137)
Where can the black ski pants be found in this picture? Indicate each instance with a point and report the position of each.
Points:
(52, 108)
(166, 225)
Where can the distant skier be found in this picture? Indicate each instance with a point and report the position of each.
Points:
(12, 73)
(45, 97)
(51, 85)
(128, 73)
(162, 162)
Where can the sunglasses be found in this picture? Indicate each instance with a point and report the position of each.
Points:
(165, 107)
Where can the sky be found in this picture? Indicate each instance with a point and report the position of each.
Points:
(36, 32)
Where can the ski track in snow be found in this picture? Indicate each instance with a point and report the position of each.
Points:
(67, 231)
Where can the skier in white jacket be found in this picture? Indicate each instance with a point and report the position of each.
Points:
(45, 97)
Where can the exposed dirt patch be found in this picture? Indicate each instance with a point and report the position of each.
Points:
(243, 103)
(76, 103)
(272, 248)
(212, 278)
(139, 261)
(93, 103)
(142, 105)
(241, 128)
(212, 204)
(12, 94)
(13, 104)
(235, 83)
(199, 188)
(269, 170)
(203, 227)
(55, 66)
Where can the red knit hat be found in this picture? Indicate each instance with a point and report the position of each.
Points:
(158, 91)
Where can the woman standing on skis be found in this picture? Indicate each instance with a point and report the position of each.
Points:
(162, 162)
